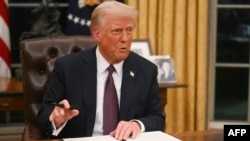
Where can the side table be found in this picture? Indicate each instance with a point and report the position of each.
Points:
(11, 95)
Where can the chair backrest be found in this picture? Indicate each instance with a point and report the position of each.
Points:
(37, 58)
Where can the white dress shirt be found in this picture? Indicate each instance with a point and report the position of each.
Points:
(102, 74)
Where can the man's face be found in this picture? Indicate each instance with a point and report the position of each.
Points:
(114, 38)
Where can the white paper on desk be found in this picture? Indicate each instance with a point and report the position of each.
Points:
(96, 138)
(146, 136)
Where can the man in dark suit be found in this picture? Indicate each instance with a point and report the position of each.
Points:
(78, 81)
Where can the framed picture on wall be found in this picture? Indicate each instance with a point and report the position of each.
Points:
(166, 70)
(141, 47)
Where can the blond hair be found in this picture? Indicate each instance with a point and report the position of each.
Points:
(111, 8)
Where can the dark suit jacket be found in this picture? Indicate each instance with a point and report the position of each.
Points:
(75, 77)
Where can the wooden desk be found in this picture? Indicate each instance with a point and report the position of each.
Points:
(210, 135)
(11, 96)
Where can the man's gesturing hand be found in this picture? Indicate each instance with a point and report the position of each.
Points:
(60, 115)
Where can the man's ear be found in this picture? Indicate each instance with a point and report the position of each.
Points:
(96, 34)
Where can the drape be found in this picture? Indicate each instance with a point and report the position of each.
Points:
(179, 28)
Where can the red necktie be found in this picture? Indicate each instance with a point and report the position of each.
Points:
(110, 104)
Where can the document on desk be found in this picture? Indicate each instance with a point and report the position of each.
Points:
(146, 136)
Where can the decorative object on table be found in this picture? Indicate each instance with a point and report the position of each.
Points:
(141, 47)
(166, 70)
(46, 23)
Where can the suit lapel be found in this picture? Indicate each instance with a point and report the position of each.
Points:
(129, 73)
(88, 75)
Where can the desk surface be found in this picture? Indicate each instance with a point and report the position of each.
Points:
(10, 86)
(210, 135)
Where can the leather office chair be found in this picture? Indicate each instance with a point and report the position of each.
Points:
(37, 58)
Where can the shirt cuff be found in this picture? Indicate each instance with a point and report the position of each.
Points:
(141, 124)
(55, 131)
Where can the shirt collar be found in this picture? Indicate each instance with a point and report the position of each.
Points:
(102, 64)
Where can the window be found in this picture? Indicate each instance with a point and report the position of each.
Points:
(230, 63)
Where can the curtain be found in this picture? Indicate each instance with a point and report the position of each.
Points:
(179, 28)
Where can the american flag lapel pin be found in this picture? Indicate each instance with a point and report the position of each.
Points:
(131, 73)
